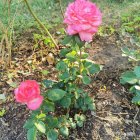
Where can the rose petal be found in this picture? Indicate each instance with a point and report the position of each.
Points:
(85, 36)
(35, 103)
(28, 90)
(82, 17)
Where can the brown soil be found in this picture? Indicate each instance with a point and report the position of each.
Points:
(115, 117)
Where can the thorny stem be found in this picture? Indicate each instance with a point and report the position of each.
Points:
(78, 81)
(80, 63)
(40, 23)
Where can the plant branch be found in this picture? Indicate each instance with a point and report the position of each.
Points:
(80, 63)
(40, 23)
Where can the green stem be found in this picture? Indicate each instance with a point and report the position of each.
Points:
(40, 23)
(80, 63)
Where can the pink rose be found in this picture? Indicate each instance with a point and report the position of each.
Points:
(83, 17)
(29, 93)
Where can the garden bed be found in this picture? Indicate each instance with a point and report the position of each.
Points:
(115, 116)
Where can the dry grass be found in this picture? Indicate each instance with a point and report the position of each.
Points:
(6, 39)
(5, 47)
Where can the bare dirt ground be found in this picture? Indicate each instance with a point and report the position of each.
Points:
(115, 117)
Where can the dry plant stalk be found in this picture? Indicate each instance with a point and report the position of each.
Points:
(6, 40)
(5, 47)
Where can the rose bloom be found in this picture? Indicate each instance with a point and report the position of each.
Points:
(83, 17)
(29, 93)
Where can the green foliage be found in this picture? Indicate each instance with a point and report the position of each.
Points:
(79, 119)
(2, 112)
(131, 24)
(129, 77)
(48, 83)
(40, 126)
(133, 78)
(31, 134)
(132, 54)
(52, 135)
(46, 41)
(64, 131)
(65, 102)
(56, 94)
(106, 30)
(48, 106)
(65, 94)
(130, 27)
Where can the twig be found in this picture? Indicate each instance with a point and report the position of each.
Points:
(101, 118)
(40, 23)
(134, 120)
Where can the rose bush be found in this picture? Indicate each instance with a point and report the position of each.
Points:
(83, 17)
(65, 100)
(29, 93)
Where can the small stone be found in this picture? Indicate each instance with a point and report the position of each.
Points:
(124, 134)
(127, 116)
(130, 134)
(93, 113)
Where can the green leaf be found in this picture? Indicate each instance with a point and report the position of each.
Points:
(126, 51)
(132, 89)
(48, 83)
(52, 121)
(31, 134)
(88, 100)
(84, 108)
(64, 51)
(94, 68)
(86, 80)
(71, 56)
(35, 113)
(45, 72)
(40, 126)
(138, 92)
(122, 81)
(78, 41)
(80, 123)
(65, 102)
(2, 112)
(87, 63)
(61, 66)
(137, 71)
(84, 55)
(41, 116)
(136, 100)
(79, 119)
(67, 40)
(56, 94)
(61, 120)
(64, 75)
(129, 77)
(91, 106)
(73, 125)
(64, 131)
(49, 106)
(29, 124)
(52, 135)
(60, 85)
